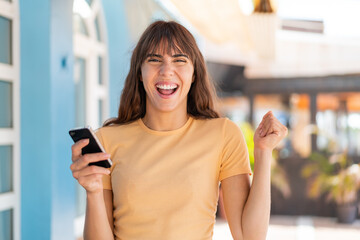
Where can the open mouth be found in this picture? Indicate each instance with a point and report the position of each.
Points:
(167, 89)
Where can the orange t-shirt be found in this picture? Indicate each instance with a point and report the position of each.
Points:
(165, 184)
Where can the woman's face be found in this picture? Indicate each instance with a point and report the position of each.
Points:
(167, 80)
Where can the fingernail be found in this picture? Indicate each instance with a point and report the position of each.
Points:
(108, 172)
(107, 155)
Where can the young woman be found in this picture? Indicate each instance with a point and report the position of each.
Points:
(170, 150)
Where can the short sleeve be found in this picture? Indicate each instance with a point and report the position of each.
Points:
(106, 180)
(235, 155)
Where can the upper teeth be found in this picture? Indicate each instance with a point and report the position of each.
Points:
(172, 86)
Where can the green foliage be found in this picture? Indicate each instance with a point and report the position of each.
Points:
(333, 174)
(248, 132)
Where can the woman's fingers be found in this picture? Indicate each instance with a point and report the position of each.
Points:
(84, 160)
(90, 177)
(267, 114)
(76, 148)
(90, 170)
(266, 124)
(271, 125)
(269, 133)
(274, 127)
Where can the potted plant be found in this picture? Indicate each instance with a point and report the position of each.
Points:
(336, 176)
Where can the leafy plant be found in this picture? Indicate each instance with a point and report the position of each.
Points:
(334, 174)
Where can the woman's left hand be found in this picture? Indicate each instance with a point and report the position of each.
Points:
(269, 133)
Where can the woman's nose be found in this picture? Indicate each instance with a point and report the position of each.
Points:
(166, 69)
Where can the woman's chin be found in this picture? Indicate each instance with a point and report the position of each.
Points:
(169, 108)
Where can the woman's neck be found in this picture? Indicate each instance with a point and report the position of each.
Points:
(165, 121)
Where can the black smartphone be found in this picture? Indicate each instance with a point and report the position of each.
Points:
(94, 145)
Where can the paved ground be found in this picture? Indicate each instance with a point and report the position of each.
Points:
(300, 228)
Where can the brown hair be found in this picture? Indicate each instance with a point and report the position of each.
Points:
(202, 95)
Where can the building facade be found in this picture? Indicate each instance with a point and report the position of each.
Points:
(53, 77)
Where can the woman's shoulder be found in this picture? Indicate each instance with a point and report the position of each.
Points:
(222, 128)
(213, 121)
(216, 123)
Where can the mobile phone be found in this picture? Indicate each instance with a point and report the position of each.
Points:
(94, 145)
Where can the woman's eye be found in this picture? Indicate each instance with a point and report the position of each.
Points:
(153, 60)
(181, 60)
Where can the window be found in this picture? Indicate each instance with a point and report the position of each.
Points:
(80, 95)
(6, 104)
(90, 67)
(101, 110)
(97, 27)
(90, 76)
(5, 40)
(100, 72)
(6, 225)
(79, 25)
(6, 168)
(9, 121)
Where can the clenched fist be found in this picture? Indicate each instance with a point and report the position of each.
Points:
(269, 133)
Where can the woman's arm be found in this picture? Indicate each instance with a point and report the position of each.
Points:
(98, 218)
(248, 208)
(235, 192)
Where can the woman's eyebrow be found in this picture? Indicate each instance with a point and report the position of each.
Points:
(180, 55)
(173, 56)
(153, 55)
